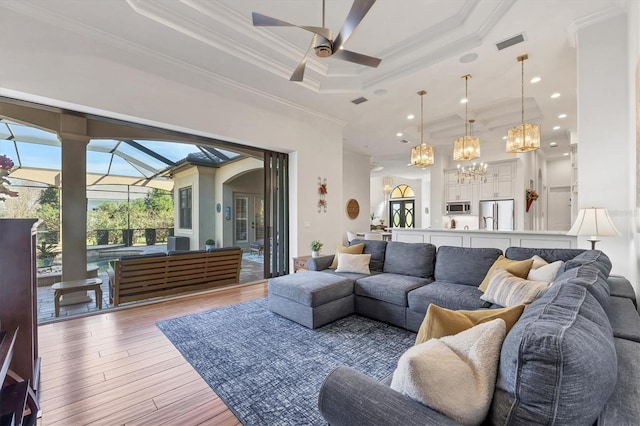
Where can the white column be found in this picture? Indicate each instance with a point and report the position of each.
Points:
(74, 204)
(605, 176)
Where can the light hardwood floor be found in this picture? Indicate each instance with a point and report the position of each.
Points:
(117, 368)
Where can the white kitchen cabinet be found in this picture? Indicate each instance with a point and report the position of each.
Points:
(500, 181)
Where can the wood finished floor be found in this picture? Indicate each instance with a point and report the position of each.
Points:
(118, 368)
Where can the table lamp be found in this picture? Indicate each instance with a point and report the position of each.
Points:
(594, 222)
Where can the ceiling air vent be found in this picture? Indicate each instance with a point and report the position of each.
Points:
(510, 42)
(359, 100)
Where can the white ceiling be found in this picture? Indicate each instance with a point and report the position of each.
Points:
(420, 43)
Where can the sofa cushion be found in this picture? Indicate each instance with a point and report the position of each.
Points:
(390, 288)
(558, 364)
(594, 258)
(624, 318)
(463, 265)
(311, 288)
(519, 268)
(447, 295)
(355, 263)
(506, 289)
(415, 259)
(454, 375)
(623, 408)
(354, 249)
(440, 322)
(548, 254)
(621, 287)
(377, 251)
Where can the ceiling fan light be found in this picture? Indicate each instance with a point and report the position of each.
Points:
(524, 137)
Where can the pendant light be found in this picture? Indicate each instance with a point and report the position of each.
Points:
(525, 136)
(467, 147)
(422, 155)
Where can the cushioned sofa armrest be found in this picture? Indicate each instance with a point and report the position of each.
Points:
(319, 263)
(348, 397)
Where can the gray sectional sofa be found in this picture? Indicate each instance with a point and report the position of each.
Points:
(572, 357)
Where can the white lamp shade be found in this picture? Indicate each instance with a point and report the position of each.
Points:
(594, 221)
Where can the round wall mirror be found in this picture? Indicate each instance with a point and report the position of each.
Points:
(353, 208)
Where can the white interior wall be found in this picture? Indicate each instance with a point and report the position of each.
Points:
(356, 185)
(85, 82)
(559, 172)
(605, 176)
(634, 129)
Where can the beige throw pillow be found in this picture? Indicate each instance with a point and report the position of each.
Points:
(519, 268)
(506, 289)
(354, 249)
(454, 375)
(538, 262)
(440, 322)
(358, 263)
(546, 273)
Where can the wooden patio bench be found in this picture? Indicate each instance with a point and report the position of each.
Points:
(140, 277)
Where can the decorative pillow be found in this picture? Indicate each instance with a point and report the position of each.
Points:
(354, 249)
(506, 289)
(358, 263)
(546, 273)
(454, 375)
(440, 322)
(538, 262)
(519, 268)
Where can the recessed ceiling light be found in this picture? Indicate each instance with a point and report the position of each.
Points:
(410, 117)
(399, 134)
(380, 92)
(536, 79)
(556, 127)
(562, 116)
(464, 100)
(377, 168)
(504, 137)
(566, 154)
(553, 144)
(555, 95)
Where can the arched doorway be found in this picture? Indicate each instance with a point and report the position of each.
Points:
(402, 207)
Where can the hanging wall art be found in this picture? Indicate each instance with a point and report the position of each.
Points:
(322, 191)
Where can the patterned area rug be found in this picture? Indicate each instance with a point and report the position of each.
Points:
(268, 370)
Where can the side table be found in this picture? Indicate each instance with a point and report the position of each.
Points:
(300, 263)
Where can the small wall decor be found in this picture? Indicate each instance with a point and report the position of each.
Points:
(532, 195)
(322, 190)
(218, 208)
(353, 209)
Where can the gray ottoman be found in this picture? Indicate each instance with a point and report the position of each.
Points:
(312, 298)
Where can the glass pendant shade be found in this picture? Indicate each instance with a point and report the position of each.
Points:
(422, 155)
(524, 137)
(466, 148)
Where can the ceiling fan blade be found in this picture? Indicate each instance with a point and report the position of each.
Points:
(260, 20)
(358, 58)
(298, 73)
(357, 12)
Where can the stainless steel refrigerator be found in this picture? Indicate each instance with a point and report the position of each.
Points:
(496, 215)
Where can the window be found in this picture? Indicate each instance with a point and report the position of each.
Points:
(402, 207)
(185, 195)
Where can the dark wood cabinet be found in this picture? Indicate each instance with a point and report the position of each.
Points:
(18, 314)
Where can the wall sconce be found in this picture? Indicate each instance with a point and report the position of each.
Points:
(387, 186)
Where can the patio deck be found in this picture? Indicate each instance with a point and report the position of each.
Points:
(251, 271)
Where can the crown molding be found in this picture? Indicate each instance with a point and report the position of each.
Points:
(594, 18)
(35, 11)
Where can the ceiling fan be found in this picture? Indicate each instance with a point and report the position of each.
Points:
(322, 43)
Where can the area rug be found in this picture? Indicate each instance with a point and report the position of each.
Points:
(268, 370)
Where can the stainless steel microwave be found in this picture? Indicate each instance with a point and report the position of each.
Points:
(459, 207)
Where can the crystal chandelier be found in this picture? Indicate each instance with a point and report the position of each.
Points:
(467, 147)
(422, 155)
(525, 136)
(472, 173)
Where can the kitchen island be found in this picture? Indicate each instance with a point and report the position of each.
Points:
(484, 238)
